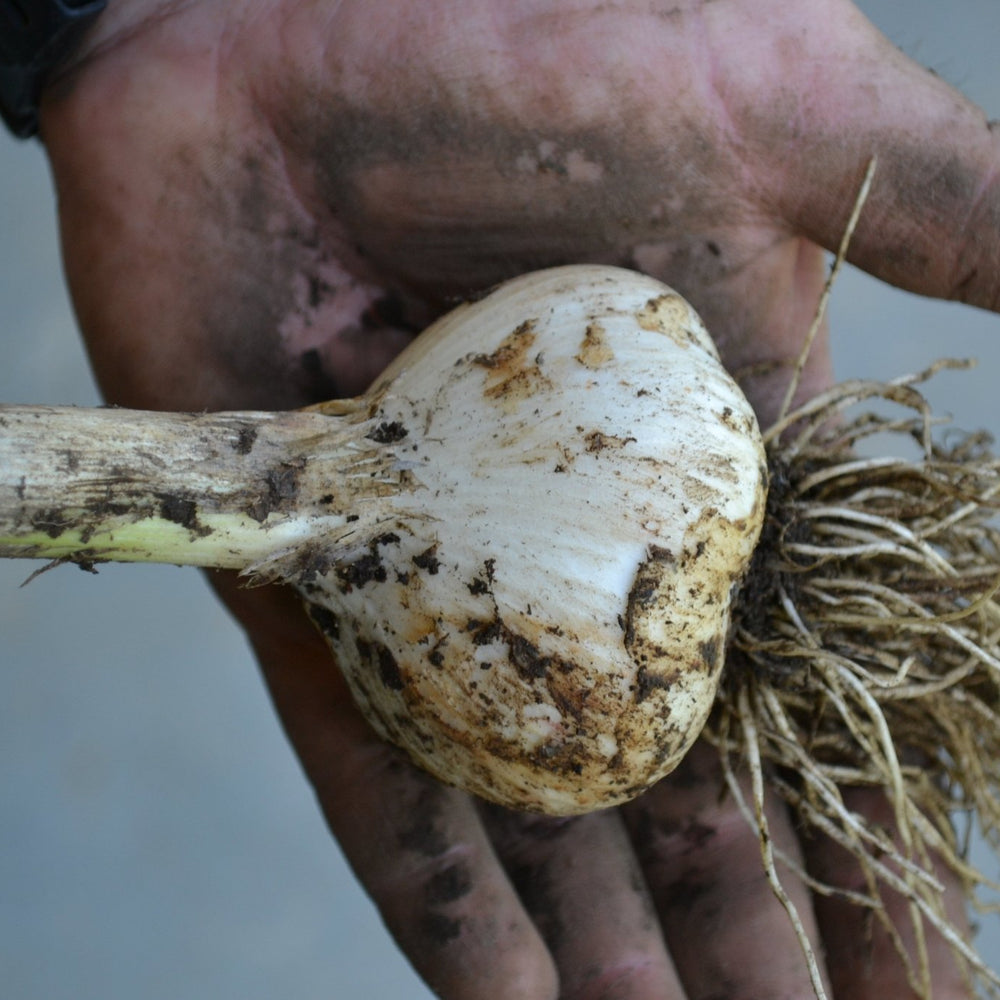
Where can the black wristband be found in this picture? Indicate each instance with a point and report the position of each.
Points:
(35, 36)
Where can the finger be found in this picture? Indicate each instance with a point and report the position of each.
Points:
(826, 93)
(862, 958)
(727, 933)
(582, 885)
(418, 847)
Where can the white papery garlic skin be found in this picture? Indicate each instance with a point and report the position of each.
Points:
(534, 602)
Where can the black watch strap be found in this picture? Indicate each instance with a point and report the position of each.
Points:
(35, 36)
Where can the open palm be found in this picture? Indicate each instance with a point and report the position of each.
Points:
(261, 202)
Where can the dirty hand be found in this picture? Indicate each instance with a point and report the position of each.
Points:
(262, 202)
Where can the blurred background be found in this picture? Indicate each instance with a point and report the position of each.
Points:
(157, 838)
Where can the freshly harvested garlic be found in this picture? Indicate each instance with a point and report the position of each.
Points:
(521, 544)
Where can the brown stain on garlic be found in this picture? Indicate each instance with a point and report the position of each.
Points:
(594, 348)
(183, 511)
(382, 662)
(421, 628)
(670, 314)
(325, 620)
(598, 441)
(513, 373)
(675, 625)
(738, 423)
(650, 594)
(278, 490)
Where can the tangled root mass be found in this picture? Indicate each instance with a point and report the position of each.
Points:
(866, 652)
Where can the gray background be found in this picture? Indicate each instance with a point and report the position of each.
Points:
(157, 839)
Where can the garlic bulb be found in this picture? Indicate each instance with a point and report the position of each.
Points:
(521, 544)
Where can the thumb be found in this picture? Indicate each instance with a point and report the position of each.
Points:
(932, 221)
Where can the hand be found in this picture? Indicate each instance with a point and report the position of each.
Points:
(262, 202)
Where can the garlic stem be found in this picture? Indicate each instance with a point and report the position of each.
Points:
(212, 490)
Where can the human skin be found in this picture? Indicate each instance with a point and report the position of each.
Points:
(262, 201)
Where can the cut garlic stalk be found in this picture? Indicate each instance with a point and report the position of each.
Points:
(521, 544)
